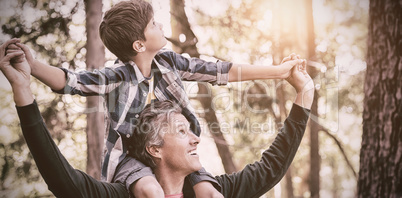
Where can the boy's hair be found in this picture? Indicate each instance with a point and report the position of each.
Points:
(153, 123)
(123, 24)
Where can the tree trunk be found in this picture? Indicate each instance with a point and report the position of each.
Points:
(289, 193)
(180, 25)
(381, 152)
(314, 125)
(95, 57)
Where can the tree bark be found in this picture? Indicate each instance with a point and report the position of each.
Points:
(283, 114)
(314, 184)
(180, 25)
(95, 57)
(381, 151)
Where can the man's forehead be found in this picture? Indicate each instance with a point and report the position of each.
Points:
(179, 119)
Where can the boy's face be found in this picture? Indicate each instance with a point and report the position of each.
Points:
(155, 39)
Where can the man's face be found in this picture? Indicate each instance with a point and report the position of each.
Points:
(155, 39)
(179, 151)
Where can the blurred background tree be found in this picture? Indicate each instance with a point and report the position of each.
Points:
(331, 34)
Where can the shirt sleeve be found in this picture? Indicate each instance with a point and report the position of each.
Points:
(257, 178)
(62, 179)
(195, 69)
(97, 82)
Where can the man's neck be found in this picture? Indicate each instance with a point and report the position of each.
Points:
(144, 62)
(170, 181)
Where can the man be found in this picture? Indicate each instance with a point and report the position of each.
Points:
(172, 158)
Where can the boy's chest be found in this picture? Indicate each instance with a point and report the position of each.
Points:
(164, 87)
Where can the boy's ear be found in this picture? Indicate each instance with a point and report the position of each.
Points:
(139, 46)
(154, 151)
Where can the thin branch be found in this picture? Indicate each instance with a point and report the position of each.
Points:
(339, 144)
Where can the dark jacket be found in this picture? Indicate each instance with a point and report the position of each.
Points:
(253, 181)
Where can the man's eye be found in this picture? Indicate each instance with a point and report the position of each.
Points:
(182, 132)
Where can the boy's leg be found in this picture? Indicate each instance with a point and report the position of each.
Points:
(204, 184)
(206, 189)
(138, 179)
(147, 187)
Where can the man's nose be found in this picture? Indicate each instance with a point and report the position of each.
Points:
(195, 139)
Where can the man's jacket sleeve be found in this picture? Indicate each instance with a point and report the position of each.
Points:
(62, 179)
(257, 178)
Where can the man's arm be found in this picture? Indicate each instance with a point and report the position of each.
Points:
(62, 179)
(256, 179)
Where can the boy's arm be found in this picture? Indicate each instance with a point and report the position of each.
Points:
(195, 69)
(219, 73)
(52, 76)
(83, 83)
(243, 72)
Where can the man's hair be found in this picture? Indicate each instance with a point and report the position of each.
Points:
(152, 124)
(123, 24)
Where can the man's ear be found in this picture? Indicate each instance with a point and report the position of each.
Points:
(154, 151)
(139, 46)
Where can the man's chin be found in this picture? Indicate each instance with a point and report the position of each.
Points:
(198, 167)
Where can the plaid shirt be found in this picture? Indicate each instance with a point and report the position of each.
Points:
(125, 90)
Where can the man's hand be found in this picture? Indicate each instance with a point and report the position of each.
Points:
(17, 72)
(300, 79)
(302, 82)
(14, 65)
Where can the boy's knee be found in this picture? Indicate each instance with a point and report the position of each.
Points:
(206, 189)
(147, 187)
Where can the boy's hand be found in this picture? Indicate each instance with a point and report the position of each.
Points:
(292, 56)
(288, 63)
(25, 49)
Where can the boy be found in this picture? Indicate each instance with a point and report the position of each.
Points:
(142, 74)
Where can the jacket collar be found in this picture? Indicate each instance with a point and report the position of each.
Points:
(135, 73)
